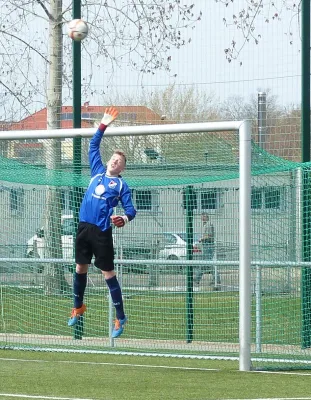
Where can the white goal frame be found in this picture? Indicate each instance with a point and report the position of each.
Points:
(244, 130)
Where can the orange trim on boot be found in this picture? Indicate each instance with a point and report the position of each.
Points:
(77, 312)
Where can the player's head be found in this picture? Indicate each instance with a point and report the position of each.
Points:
(117, 163)
(204, 217)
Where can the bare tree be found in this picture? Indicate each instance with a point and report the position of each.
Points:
(286, 133)
(173, 104)
(134, 34)
(237, 108)
(52, 227)
(35, 70)
(183, 104)
(186, 104)
(245, 21)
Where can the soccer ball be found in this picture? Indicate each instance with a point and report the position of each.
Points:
(77, 29)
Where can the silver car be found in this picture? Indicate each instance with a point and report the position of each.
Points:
(175, 246)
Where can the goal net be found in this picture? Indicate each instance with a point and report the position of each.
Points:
(180, 299)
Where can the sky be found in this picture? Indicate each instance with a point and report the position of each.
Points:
(273, 64)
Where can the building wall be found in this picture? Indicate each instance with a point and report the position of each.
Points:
(274, 230)
(21, 210)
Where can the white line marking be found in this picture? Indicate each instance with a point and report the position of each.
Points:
(26, 396)
(128, 353)
(284, 373)
(153, 366)
(111, 364)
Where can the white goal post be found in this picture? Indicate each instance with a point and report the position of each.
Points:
(244, 130)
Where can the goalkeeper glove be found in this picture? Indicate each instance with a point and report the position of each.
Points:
(119, 220)
(110, 115)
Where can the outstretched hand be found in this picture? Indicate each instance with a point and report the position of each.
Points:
(110, 115)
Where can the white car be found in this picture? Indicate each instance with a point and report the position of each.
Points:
(175, 246)
(35, 245)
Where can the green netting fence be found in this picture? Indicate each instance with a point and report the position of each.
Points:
(166, 173)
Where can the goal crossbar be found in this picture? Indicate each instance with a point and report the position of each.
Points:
(130, 130)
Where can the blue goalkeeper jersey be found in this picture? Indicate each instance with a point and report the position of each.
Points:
(104, 192)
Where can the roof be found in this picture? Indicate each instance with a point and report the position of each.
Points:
(129, 115)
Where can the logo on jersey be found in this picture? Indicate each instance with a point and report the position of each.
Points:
(112, 184)
(99, 190)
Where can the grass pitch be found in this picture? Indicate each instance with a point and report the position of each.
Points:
(60, 376)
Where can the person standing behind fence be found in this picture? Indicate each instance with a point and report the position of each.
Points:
(207, 240)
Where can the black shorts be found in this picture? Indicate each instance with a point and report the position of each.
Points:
(91, 241)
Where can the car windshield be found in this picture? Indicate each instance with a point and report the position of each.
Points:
(183, 235)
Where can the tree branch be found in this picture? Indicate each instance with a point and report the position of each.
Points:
(25, 43)
(15, 95)
(50, 16)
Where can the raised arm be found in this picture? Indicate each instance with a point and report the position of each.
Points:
(127, 205)
(96, 164)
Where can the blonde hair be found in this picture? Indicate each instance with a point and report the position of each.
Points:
(120, 153)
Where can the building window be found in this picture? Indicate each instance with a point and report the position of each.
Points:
(143, 200)
(67, 116)
(204, 199)
(256, 199)
(146, 200)
(210, 199)
(268, 198)
(17, 201)
(273, 198)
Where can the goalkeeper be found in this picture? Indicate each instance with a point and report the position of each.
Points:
(94, 235)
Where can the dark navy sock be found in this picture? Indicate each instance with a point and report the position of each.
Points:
(116, 295)
(79, 285)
